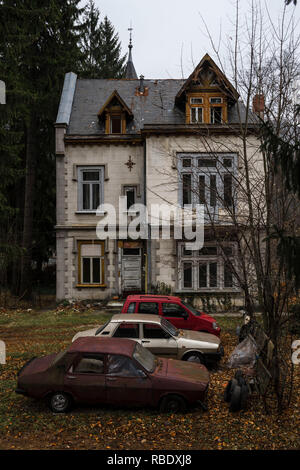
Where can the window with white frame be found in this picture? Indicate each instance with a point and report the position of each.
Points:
(208, 269)
(90, 188)
(207, 179)
(90, 263)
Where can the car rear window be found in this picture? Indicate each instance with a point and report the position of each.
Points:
(148, 307)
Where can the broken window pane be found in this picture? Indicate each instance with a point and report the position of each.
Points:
(202, 275)
(213, 190)
(187, 275)
(213, 274)
(216, 115)
(201, 189)
(228, 278)
(187, 188)
(228, 200)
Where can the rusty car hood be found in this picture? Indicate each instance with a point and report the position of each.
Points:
(39, 364)
(201, 340)
(182, 371)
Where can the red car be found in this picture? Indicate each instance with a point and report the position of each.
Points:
(177, 312)
(113, 371)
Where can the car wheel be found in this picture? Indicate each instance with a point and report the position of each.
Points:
(172, 404)
(195, 357)
(244, 396)
(235, 401)
(60, 402)
(240, 378)
(229, 389)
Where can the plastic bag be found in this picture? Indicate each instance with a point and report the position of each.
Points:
(243, 355)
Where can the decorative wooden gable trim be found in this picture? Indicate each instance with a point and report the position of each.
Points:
(205, 77)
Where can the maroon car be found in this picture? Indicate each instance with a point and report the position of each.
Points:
(113, 371)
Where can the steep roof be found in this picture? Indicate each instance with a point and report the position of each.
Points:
(222, 81)
(157, 107)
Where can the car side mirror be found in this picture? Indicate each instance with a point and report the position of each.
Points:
(185, 315)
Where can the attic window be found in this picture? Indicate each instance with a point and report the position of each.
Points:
(116, 124)
(217, 100)
(196, 100)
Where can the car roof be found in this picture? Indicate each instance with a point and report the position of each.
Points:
(152, 297)
(103, 345)
(135, 318)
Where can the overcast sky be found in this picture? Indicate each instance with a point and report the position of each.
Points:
(166, 30)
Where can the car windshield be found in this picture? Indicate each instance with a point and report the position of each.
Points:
(192, 309)
(101, 328)
(144, 357)
(169, 327)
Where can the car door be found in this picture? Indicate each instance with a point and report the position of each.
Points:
(158, 341)
(176, 314)
(128, 330)
(126, 383)
(85, 379)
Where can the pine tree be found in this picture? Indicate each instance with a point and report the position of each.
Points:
(91, 42)
(100, 46)
(112, 63)
(38, 44)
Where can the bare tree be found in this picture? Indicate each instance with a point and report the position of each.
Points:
(252, 203)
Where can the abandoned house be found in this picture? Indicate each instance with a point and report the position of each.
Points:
(161, 141)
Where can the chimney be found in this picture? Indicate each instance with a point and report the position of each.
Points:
(141, 87)
(259, 105)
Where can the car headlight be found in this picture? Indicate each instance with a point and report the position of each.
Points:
(215, 325)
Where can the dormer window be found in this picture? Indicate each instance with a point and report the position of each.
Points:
(115, 114)
(206, 95)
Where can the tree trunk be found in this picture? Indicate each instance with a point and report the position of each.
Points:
(31, 151)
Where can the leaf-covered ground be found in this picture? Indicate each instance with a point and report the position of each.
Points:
(28, 424)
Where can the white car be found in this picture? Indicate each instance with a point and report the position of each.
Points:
(161, 337)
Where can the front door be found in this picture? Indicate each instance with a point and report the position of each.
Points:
(158, 341)
(131, 269)
(126, 384)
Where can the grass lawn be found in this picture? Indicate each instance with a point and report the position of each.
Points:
(29, 424)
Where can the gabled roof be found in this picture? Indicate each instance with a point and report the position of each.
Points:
(221, 79)
(115, 95)
(158, 108)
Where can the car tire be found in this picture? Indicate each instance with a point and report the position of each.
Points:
(172, 404)
(244, 396)
(229, 389)
(195, 357)
(240, 378)
(60, 402)
(235, 401)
